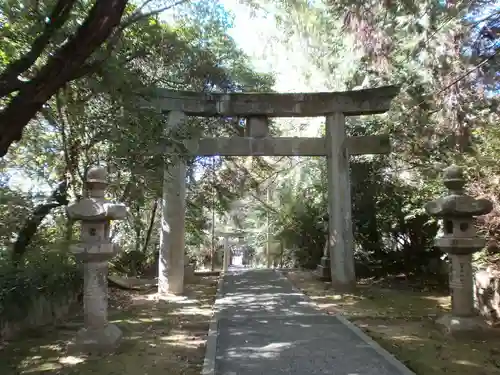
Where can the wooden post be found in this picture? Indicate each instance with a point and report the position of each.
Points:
(339, 204)
(225, 262)
(268, 230)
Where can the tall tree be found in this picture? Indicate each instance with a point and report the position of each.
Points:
(58, 43)
(97, 119)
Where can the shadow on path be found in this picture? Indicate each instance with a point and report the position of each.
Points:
(266, 327)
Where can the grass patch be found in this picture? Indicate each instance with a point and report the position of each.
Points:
(402, 321)
(161, 336)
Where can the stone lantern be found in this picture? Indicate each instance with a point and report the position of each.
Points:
(325, 272)
(459, 240)
(94, 251)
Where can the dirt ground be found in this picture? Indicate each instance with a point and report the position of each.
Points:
(402, 321)
(161, 336)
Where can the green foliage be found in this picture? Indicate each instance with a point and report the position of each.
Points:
(51, 275)
(445, 114)
(305, 231)
(98, 119)
(392, 234)
(14, 207)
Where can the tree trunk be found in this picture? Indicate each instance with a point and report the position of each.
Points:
(62, 67)
(28, 231)
(150, 227)
(68, 232)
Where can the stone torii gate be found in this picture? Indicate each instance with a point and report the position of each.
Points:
(257, 108)
(227, 235)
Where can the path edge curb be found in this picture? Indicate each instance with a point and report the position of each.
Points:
(363, 336)
(213, 333)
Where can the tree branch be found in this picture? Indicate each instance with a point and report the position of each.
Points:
(139, 15)
(102, 19)
(9, 81)
(93, 67)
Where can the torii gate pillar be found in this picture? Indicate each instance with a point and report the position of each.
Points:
(340, 236)
(172, 252)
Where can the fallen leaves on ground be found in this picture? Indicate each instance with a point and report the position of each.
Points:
(402, 321)
(161, 336)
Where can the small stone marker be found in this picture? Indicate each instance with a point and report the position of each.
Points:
(95, 250)
(460, 241)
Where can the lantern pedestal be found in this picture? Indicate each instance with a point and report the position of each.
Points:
(107, 339)
(465, 326)
(98, 335)
(324, 270)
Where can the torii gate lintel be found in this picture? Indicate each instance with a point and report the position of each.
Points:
(248, 104)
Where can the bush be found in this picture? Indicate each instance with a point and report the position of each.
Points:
(52, 275)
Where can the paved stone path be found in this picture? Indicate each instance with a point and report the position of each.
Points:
(266, 327)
